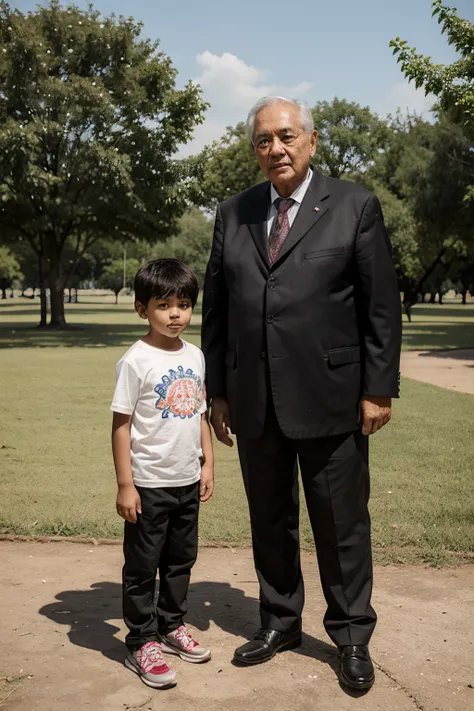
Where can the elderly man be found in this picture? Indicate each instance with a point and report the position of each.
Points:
(301, 332)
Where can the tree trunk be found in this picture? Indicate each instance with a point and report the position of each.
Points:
(116, 296)
(56, 286)
(12, 293)
(69, 300)
(464, 296)
(440, 297)
(4, 293)
(408, 306)
(42, 289)
(433, 297)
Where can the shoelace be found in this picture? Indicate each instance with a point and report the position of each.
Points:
(185, 638)
(151, 656)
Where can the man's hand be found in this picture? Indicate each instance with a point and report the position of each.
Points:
(128, 503)
(206, 488)
(220, 420)
(374, 413)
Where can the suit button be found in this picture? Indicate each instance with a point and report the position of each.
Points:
(269, 319)
(263, 355)
(271, 284)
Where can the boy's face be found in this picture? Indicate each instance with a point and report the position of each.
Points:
(168, 317)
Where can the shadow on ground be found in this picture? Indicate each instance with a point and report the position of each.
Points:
(89, 614)
(456, 353)
(100, 335)
(421, 336)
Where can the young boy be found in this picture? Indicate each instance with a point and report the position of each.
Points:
(163, 458)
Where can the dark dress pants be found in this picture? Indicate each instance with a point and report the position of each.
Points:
(335, 478)
(164, 539)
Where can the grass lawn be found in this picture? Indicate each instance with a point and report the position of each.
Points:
(56, 474)
(448, 326)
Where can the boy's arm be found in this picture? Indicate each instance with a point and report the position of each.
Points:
(207, 471)
(128, 498)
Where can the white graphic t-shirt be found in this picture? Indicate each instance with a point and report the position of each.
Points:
(165, 394)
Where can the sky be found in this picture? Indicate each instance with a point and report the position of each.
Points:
(306, 49)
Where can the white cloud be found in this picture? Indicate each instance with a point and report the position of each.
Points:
(231, 86)
(230, 83)
(407, 97)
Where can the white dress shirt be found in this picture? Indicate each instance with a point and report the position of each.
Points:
(297, 196)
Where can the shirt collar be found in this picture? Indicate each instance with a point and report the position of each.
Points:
(298, 194)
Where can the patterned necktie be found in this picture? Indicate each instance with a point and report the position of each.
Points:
(280, 228)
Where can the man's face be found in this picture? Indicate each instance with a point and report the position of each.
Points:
(282, 146)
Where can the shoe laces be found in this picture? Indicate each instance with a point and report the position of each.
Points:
(185, 638)
(150, 656)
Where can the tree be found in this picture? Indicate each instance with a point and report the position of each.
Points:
(90, 122)
(465, 277)
(9, 270)
(412, 172)
(229, 167)
(453, 84)
(192, 243)
(117, 277)
(349, 137)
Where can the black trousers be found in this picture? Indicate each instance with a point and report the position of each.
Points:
(164, 539)
(335, 478)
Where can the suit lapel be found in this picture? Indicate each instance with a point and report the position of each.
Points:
(257, 220)
(311, 210)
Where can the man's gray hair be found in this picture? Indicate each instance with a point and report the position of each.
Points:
(305, 113)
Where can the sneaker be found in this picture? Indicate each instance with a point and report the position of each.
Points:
(150, 666)
(181, 642)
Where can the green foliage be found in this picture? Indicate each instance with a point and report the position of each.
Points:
(230, 167)
(192, 244)
(118, 275)
(349, 137)
(9, 269)
(426, 214)
(453, 84)
(90, 122)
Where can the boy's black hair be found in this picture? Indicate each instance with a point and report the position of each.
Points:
(163, 278)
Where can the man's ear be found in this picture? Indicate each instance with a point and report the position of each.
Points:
(313, 142)
(140, 309)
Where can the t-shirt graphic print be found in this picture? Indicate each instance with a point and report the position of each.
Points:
(164, 392)
(180, 393)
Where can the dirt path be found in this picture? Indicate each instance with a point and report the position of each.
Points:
(453, 369)
(62, 638)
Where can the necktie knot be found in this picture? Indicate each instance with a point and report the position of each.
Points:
(283, 204)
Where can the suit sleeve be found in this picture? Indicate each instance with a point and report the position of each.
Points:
(215, 316)
(378, 304)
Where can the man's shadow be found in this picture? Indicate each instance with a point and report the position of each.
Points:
(88, 614)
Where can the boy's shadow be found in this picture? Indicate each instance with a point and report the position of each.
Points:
(88, 614)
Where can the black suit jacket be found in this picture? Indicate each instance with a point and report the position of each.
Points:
(320, 327)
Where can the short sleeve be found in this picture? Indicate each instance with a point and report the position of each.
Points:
(127, 389)
(203, 407)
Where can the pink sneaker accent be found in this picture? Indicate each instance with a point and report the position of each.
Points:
(149, 664)
(184, 639)
(181, 642)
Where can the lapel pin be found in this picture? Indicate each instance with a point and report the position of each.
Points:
(315, 209)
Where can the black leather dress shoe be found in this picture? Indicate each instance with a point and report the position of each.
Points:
(265, 644)
(357, 670)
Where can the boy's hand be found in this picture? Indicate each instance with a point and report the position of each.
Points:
(206, 488)
(128, 503)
